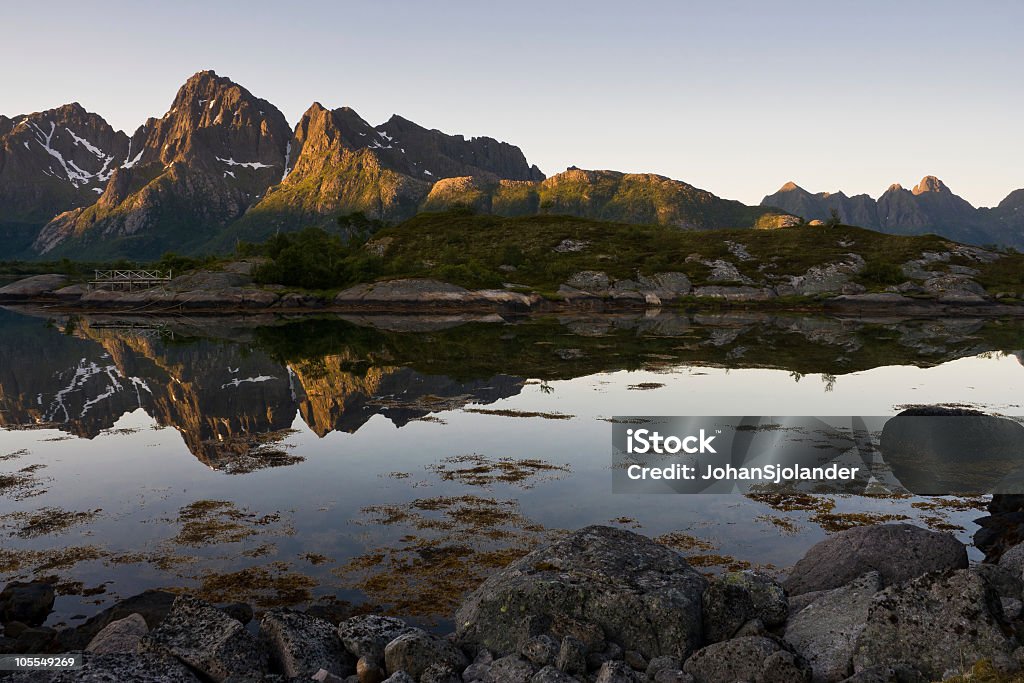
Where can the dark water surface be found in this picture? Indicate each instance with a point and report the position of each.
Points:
(398, 461)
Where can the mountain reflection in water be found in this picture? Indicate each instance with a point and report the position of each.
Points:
(397, 460)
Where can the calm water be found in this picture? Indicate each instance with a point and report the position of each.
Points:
(398, 461)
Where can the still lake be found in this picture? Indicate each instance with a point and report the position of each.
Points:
(395, 462)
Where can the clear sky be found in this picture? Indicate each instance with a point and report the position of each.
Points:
(734, 97)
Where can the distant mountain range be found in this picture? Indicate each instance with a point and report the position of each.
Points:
(929, 208)
(223, 165)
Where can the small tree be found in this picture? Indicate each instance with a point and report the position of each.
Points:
(833, 218)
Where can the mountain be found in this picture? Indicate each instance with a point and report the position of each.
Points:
(339, 164)
(188, 175)
(50, 162)
(598, 195)
(223, 165)
(931, 207)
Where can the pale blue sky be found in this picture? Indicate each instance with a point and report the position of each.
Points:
(735, 97)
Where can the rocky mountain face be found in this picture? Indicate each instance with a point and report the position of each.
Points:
(51, 162)
(930, 207)
(223, 165)
(187, 174)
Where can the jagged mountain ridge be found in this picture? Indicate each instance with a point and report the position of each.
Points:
(51, 162)
(930, 207)
(188, 174)
(222, 164)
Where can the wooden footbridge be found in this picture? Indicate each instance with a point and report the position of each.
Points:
(129, 279)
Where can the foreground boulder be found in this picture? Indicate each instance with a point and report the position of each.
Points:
(108, 668)
(898, 552)
(825, 632)
(416, 650)
(733, 599)
(641, 595)
(754, 658)
(366, 635)
(938, 623)
(299, 645)
(208, 640)
(119, 637)
(29, 603)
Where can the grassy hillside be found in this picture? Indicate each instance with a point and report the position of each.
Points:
(486, 250)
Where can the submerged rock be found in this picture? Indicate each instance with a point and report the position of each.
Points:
(640, 594)
(898, 552)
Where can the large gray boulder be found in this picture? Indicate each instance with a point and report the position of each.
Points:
(938, 623)
(642, 595)
(299, 645)
(734, 598)
(898, 552)
(110, 668)
(1013, 560)
(755, 659)
(366, 635)
(208, 640)
(119, 637)
(825, 632)
(414, 651)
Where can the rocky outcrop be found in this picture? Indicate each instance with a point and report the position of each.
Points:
(423, 293)
(898, 552)
(600, 581)
(32, 288)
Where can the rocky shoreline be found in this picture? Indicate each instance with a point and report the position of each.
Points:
(874, 604)
(234, 291)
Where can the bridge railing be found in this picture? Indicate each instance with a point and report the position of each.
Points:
(129, 279)
(126, 275)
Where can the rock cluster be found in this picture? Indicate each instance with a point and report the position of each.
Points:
(888, 603)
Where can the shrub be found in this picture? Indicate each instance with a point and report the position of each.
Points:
(880, 273)
(314, 259)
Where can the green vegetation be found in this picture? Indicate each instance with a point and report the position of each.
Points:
(475, 250)
(313, 259)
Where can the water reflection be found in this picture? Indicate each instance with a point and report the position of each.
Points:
(398, 460)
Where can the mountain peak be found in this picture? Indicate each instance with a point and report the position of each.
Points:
(930, 184)
(895, 187)
(790, 187)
